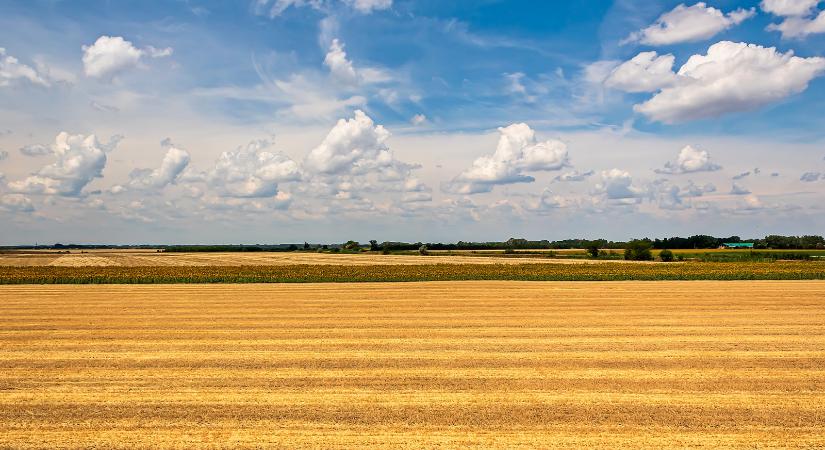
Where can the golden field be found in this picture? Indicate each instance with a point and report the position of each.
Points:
(451, 364)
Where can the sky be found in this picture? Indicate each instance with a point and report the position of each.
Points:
(270, 121)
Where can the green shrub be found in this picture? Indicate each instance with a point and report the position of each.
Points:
(638, 250)
(666, 255)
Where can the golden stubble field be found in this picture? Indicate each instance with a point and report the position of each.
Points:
(492, 364)
(150, 258)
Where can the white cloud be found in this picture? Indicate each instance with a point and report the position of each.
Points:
(173, 164)
(80, 159)
(810, 177)
(338, 64)
(736, 189)
(343, 70)
(617, 184)
(111, 55)
(3, 155)
(690, 160)
(800, 27)
(574, 175)
(689, 24)
(731, 77)
(518, 151)
(646, 72)
(12, 70)
(277, 7)
(788, 8)
(353, 146)
(368, 6)
(418, 120)
(16, 203)
(35, 150)
(251, 172)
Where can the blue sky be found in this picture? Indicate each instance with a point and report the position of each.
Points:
(327, 120)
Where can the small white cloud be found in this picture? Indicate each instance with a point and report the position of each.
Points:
(518, 151)
(742, 175)
(800, 27)
(80, 159)
(274, 8)
(618, 184)
(574, 175)
(731, 77)
(690, 160)
(368, 6)
(173, 164)
(251, 172)
(35, 150)
(3, 155)
(345, 72)
(739, 190)
(111, 55)
(12, 70)
(810, 177)
(789, 8)
(418, 120)
(355, 147)
(689, 24)
(646, 72)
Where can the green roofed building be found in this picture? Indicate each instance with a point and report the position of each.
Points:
(735, 245)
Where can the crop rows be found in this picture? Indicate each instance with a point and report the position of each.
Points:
(782, 270)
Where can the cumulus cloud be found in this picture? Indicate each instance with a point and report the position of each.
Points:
(251, 172)
(731, 77)
(518, 151)
(800, 17)
(787, 8)
(112, 55)
(617, 184)
(800, 27)
(574, 175)
(16, 203)
(646, 72)
(690, 160)
(173, 164)
(356, 146)
(810, 177)
(343, 70)
(12, 70)
(80, 159)
(689, 24)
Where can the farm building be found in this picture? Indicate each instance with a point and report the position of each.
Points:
(738, 245)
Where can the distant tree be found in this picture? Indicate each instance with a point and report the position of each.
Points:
(352, 245)
(666, 255)
(374, 246)
(638, 250)
(306, 245)
(386, 247)
(423, 251)
(592, 248)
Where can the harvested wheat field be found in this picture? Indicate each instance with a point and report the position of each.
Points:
(152, 258)
(493, 364)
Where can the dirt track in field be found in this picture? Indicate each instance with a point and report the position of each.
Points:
(493, 364)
